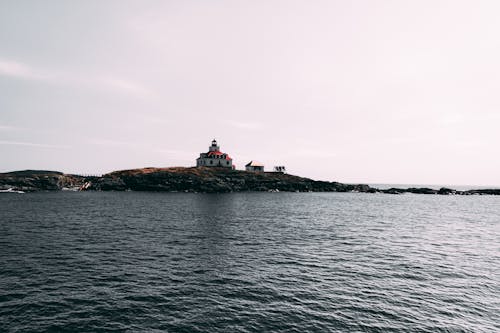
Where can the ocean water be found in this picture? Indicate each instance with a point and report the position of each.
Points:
(249, 262)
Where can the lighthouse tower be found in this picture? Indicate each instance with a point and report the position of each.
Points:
(214, 158)
(214, 146)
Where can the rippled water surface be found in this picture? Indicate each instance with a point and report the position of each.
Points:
(249, 262)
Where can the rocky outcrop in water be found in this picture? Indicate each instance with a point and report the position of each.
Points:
(420, 190)
(441, 191)
(209, 180)
(39, 180)
(205, 180)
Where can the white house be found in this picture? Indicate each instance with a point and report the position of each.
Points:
(214, 158)
(254, 166)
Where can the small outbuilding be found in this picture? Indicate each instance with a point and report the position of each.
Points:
(254, 166)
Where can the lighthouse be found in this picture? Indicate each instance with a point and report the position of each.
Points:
(214, 157)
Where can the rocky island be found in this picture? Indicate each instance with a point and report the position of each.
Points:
(177, 179)
(195, 179)
(214, 173)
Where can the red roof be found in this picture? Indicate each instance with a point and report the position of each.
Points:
(210, 153)
(217, 153)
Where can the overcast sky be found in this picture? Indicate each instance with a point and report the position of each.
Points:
(353, 91)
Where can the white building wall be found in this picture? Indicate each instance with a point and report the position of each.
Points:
(214, 162)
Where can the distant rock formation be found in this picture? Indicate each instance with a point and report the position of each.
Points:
(420, 190)
(40, 180)
(200, 179)
(441, 191)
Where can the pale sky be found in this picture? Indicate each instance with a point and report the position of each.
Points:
(371, 91)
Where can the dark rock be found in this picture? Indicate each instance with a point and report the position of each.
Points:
(208, 180)
(422, 190)
(446, 191)
(214, 180)
(394, 191)
(36, 180)
(483, 192)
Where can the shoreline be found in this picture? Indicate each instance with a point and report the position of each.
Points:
(200, 180)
